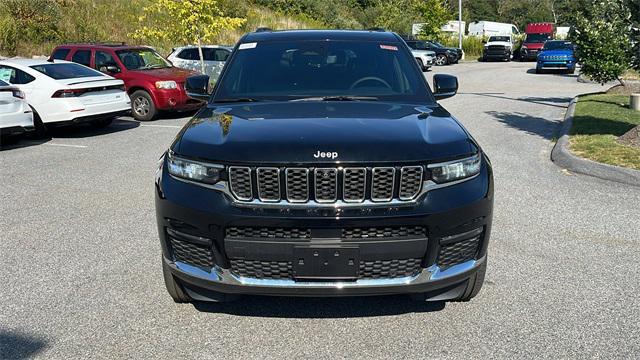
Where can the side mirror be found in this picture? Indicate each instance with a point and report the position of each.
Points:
(444, 86)
(113, 69)
(197, 87)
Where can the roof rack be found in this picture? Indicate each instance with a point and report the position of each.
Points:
(263, 29)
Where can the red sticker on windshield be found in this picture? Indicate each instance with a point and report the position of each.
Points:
(389, 47)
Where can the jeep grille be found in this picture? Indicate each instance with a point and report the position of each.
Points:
(326, 185)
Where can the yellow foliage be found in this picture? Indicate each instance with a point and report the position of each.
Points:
(184, 21)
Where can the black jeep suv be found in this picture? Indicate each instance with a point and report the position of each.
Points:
(323, 166)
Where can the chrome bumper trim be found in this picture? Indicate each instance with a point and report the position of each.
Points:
(427, 275)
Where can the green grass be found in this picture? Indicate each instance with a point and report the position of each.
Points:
(599, 119)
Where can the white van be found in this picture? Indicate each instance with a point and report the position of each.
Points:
(488, 28)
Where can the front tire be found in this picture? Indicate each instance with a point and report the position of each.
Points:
(441, 60)
(142, 106)
(174, 288)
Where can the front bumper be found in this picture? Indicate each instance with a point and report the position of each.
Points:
(175, 99)
(506, 54)
(556, 64)
(202, 217)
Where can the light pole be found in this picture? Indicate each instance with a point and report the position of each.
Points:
(460, 30)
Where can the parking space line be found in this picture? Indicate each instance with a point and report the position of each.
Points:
(66, 145)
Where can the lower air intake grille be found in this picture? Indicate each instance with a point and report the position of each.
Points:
(458, 252)
(379, 269)
(387, 269)
(262, 269)
(256, 232)
(385, 232)
(191, 254)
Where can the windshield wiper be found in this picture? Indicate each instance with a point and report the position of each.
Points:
(236, 100)
(338, 98)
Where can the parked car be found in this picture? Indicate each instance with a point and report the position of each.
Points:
(489, 28)
(16, 117)
(557, 55)
(188, 57)
(153, 84)
(498, 48)
(64, 93)
(425, 58)
(536, 35)
(323, 166)
(444, 55)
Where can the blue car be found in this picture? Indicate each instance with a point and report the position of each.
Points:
(557, 55)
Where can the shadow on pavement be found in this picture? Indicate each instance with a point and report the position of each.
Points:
(561, 102)
(311, 308)
(533, 125)
(21, 142)
(552, 73)
(16, 345)
(87, 130)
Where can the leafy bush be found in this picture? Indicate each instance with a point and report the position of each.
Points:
(471, 45)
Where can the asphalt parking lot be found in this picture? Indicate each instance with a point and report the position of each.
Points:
(82, 275)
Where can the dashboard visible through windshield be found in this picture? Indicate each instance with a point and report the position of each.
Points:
(312, 69)
(142, 59)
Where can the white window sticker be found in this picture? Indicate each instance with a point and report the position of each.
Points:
(247, 46)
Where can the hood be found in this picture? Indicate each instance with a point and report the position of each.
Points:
(292, 132)
(500, 43)
(424, 52)
(556, 53)
(172, 73)
(533, 45)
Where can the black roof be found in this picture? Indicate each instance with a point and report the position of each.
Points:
(288, 35)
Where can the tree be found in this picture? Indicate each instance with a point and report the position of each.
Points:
(434, 14)
(185, 21)
(603, 38)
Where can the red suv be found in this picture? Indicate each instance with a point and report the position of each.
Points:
(151, 81)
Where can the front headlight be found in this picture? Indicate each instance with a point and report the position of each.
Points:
(455, 170)
(194, 170)
(169, 84)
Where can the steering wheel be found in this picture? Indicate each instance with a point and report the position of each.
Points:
(368, 78)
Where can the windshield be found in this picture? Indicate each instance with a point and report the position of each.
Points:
(500, 38)
(66, 71)
(558, 45)
(307, 69)
(437, 44)
(537, 38)
(142, 59)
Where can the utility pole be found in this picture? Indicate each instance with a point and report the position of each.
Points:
(460, 30)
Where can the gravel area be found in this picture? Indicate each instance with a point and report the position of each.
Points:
(82, 275)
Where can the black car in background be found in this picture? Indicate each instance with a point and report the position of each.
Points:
(323, 166)
(444, 55)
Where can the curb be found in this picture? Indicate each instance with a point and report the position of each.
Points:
(562, 156)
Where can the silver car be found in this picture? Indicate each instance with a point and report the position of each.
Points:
(424, 58)
(188, 57)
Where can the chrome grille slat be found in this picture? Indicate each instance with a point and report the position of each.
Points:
(382, 183)
(240, 182)
(410, 182)
(354, 184)
(297, 180)
(326, 184)
(268, 184)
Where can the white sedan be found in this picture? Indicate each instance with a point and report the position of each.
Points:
(16, 116)
(62, 92)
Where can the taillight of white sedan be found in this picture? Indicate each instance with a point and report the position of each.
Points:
(16, 116)
(64, 93)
